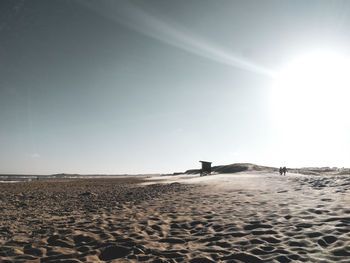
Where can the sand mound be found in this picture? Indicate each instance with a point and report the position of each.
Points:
(248, 167)
(236, 168)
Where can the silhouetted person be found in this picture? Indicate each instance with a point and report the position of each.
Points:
(281, 170)
(284, 170)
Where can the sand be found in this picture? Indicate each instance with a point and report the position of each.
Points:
(243, 217)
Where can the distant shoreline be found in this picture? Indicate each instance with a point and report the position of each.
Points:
(29, 178)
(220, 169)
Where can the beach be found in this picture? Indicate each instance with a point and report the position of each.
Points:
(241, 217)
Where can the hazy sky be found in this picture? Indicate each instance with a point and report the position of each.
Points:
(155, 86)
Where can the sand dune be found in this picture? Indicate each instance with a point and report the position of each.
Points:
(249, 167)
(243, 217)
(236, 168)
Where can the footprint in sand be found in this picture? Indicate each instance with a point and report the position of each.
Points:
(114, 252)
(327, 240)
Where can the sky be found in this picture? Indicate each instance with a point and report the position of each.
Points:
(114, 87)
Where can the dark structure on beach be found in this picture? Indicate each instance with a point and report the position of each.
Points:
(206, 168)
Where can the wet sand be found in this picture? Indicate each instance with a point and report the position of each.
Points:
(243, 217)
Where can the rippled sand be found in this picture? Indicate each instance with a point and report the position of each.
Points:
(244, 217)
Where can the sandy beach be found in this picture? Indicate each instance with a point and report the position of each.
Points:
(243, 217)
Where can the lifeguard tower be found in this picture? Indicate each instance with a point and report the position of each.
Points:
(206, 168)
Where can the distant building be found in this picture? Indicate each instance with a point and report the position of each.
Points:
(206, 168)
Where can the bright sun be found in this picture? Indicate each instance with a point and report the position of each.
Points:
(309, 99)
(313, 87)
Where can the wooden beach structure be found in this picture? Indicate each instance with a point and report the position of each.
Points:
(206, 168)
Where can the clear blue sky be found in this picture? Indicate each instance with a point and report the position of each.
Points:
(155, 86)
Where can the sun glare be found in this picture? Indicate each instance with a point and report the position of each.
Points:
(313, 87)
(309, 98)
